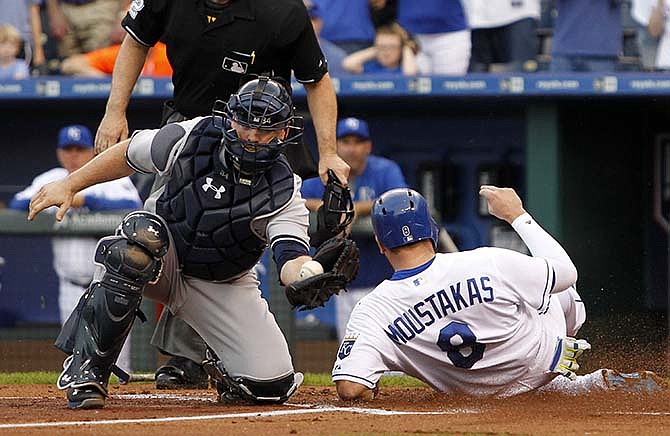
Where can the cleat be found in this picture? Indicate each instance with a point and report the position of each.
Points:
(85, 397)
(641, 382)
(181, 373)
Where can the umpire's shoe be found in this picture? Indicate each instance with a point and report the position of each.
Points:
(181, 373)
(85, 397)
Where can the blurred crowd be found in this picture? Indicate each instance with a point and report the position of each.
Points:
(399, 37)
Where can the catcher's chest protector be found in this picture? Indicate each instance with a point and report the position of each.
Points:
(213, 220)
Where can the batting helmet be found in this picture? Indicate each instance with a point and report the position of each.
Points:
(264, 104)
(401, 217)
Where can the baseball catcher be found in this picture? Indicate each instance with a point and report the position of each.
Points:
(336, 212)
(333, 266)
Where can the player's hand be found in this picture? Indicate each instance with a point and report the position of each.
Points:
(503, 203)
(335, 163)
(565, 360)
(58, 193)
(113, 128)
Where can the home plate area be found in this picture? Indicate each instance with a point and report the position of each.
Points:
(38, 409)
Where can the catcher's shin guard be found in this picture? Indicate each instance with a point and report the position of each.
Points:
(246, 390)
(97, 329)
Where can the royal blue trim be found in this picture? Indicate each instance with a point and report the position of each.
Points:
(557, 354)
(404, 273)
(101, 203)
(18, 204)
(353, 376)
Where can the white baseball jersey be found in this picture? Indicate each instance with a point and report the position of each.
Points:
(484, 14)
(479, 322)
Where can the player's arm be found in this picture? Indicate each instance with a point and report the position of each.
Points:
(359, 363)
(505, 204)
(289, 241)
(109, 165)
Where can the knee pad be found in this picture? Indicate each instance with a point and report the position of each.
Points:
(146, 230)
(275, 391)
(127, 266)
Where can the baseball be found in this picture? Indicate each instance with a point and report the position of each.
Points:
(310, 268)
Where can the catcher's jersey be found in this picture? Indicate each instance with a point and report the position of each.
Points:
(224, 227)
(477, 322)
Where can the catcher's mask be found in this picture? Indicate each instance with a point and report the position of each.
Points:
(264, 104)
(401, 217)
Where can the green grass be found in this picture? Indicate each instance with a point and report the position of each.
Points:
(311, 379)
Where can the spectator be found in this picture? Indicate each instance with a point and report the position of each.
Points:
(392, 52)
(333, 54)
(24, 15)
(383, 12)
(369, 177)
(81, 26)
(650, 18)
(101, 62)
(73, 254)
(503, 32)
(347, 23)
(588, 36)
(661, 25)
(11, 68)
(442, 33)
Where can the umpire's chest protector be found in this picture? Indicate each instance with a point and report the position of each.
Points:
(219, 226)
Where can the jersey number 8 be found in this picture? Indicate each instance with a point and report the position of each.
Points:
(460, 344)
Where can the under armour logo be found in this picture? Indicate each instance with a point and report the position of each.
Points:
(218, 191)
(151, 229)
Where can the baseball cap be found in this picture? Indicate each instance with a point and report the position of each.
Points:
(353, 126)
(75, 135)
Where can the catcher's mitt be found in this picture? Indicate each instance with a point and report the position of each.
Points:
(336, 212)
(339, 258)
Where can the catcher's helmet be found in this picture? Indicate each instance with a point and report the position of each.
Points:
(265, 104)
(401, 217)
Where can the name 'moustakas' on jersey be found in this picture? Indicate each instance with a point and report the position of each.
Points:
(471, 322)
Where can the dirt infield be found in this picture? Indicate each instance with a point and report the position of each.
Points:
(135, 408)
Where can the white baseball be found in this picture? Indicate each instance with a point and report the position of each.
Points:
(310, 268)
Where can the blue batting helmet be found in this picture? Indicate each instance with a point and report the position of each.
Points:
(401, 217)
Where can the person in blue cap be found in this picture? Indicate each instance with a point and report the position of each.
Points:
(73, 254)
(370, 175)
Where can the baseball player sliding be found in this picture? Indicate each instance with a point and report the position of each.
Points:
(484, 322)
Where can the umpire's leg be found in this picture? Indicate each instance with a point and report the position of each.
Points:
(174, 337)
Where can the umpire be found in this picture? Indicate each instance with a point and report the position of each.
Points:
(211, 45)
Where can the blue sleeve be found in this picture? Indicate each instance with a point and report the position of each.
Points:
(312, 188)
(394, 177)
(97, 203)
(285, 250)
(18, 204)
